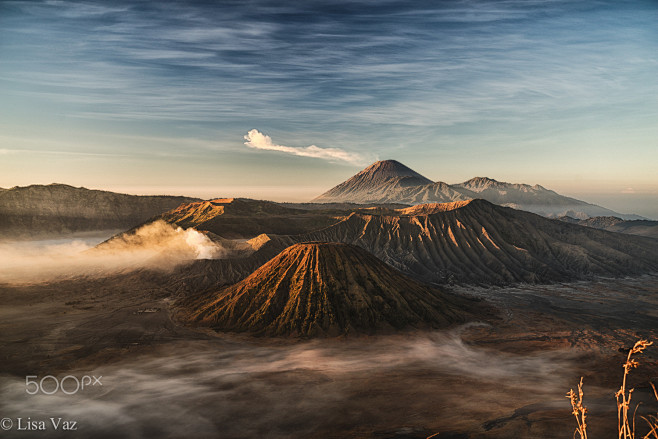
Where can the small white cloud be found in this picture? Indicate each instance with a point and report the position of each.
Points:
(628, 190)
(257, 140)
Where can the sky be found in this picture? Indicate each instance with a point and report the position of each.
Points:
(283, 100)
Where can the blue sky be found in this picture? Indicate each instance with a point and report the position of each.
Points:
(157, 97)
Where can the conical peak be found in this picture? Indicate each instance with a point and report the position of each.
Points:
(313, 251)
(391, 169)
(321, 288)
(315, 245)
(374, 182)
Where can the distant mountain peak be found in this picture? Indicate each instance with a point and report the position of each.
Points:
(374, 182)
(391, 169)
(482, 180)
(477, 184)
(481, 183)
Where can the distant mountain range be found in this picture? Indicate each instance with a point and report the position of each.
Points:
(58, 210)
(390, 181)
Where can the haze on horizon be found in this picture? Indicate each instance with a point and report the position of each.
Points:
(283, 100)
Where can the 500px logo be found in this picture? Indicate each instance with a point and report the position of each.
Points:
(68, 385)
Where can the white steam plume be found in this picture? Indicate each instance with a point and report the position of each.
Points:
(158, 245)
(257, 140)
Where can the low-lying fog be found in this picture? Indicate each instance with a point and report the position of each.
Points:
(157, 245)
(232, 388)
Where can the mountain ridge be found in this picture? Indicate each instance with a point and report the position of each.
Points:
(478, 241)
(646, 228)
(466, 242)
(59, 209)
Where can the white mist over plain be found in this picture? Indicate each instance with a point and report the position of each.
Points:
(157, 245)
(230, 388)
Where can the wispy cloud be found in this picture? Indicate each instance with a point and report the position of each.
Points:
(452, 79)
(414, 66)
(257, 140)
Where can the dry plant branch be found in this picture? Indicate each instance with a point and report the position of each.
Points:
(625, 429)
(579, 410)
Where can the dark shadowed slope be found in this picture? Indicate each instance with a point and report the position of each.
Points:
(315, 289)
(58, 209)
(479, 242)
(205, 274)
